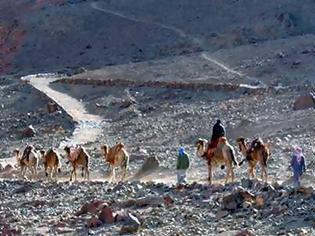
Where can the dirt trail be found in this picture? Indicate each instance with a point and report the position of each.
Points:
(88, 126)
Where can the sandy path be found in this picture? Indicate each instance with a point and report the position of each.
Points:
(88, 126)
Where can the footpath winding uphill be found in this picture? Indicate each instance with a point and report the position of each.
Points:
(88, 126)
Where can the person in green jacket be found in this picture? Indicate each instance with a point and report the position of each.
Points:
(182, 165)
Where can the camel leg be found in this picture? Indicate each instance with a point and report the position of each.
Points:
(209, 173)
(250, 172)
(229, 172)
(124, 174)
(75, 174)
(114, 174)
(87, 173)
(232, 173)
(264, 174)
(72, 172)
(35, 172)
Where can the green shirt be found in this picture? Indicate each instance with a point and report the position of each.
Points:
(182, 162)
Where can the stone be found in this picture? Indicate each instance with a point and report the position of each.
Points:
(305, 191)
(221, 214)
(236, 199)
(152, 201)
(23, 189)
(259, 201)
(8, 168)
(28, 132)
(168, 201)
(149, 166)
(92, 207)
(246, 183)
(52, 107)
(106, 215)
(304, 102)
(247, 205)
(94, 222)
(244, 233)
(131, 225)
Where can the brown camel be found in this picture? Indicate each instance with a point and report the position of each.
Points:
(78, 156)
(223, 155)
(256, 152)
(28, 160)
(116, 156)
(52, 162)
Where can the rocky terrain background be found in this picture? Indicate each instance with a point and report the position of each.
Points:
(156, 75)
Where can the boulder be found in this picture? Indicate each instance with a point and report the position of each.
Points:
(221, 214)
(106, 215)
(28, 132)
(259, 201)
(247, 183)
(152, 201)
(94, 222)
(148, 167)
(131, 225)
(236, 199)
(92, 207)
(244, 233)
(304, 102)
(306, 191)
(52, 107)
(8, 168)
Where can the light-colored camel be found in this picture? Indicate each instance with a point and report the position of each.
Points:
(223, 155)
(255, 152)
(78, 157)
(116, 156)
(28, 160)
(52, 163)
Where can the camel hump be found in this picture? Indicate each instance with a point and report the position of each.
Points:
(119, 146)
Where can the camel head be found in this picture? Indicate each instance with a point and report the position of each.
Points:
(104, 150)
(42, 153)
(119, 146)
(201, 146)
(16, 153)
(67, 150)
(242, 144)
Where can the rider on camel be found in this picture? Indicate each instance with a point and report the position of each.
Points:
(218, 131)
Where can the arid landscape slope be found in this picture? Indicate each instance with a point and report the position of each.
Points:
(156, 75)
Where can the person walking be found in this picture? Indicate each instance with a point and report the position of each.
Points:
(298, 165)
(182, 165)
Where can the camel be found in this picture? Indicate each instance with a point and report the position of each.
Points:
(78, 156)
(52, 162)
(256, 152)
(116, 156)
(28, 160)
(223, 155)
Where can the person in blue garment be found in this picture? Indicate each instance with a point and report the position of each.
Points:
(182, 165)
(297, 165)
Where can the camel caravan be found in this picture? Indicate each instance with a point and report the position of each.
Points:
(217, 152)
(77, 157)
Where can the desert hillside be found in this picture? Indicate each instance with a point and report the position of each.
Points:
(151, 76)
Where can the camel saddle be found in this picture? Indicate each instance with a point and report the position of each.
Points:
(255, 145)
(213, 146)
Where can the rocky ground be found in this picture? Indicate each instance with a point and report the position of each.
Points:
(155, 122)
(21, 106)
(164, 72)
(243, 208)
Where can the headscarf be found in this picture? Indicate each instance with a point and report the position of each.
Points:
(298, 153)
(181, 151)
